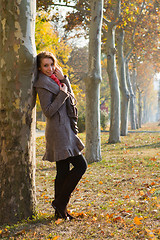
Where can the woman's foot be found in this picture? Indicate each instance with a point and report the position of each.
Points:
(57, 215)
(70, 216)
(60, 210)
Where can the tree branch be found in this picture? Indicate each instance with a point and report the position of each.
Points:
(70, 6)
(134, 31)
(127, 57)
(106, 21)
(117, 10)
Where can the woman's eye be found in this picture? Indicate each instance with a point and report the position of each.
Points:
(45, 65)
(52, 64)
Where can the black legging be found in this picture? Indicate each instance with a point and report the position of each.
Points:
(66, 179)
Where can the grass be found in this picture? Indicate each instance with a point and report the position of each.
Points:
(117, 198)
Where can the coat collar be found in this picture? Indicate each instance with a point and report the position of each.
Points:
(46, 82)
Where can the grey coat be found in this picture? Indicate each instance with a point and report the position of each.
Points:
(61, 140)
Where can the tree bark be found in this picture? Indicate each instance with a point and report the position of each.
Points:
(17, 119)
(114, 133)
(139, 108)
(123, 85)
(145, 110)
(134, 86)
(158, 110)
(92, 81)
(132, 99)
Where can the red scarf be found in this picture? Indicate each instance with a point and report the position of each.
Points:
(54, 78)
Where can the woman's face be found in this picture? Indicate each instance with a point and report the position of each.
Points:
(47, 66)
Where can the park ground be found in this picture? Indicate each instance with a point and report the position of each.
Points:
(117, 198)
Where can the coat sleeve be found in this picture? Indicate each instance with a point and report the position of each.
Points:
(50, 103)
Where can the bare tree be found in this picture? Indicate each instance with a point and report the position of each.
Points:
(93, 79)
(125, 95)
(114, 135)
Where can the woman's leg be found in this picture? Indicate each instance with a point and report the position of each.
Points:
(71, 180)
(79, 167)
(62, 168)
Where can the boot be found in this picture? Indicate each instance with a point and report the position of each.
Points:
(60, 209)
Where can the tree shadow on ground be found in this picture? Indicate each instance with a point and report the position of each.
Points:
(149, 146)
(26, 227)
(46, 169)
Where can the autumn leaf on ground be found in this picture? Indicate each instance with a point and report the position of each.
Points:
(55, 238)
(126, 197)
(81, 214)
(150, 234)
(94, 218)
(20, 232)
(152, 190)
(147, 195)
(116, 219)
(137, 220)
(59, 221)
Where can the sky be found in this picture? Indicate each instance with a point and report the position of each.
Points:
(79, 42)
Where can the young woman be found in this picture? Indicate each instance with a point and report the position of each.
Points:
(62, 143)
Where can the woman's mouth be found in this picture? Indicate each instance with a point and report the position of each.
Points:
(50, 73)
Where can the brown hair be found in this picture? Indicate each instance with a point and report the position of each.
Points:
(43, 55)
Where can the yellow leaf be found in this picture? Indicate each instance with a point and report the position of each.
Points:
(59, 221)
(152, 190)
(137, 220)
(55, 238)
(141, 193)
(150, 233)
(94, 218)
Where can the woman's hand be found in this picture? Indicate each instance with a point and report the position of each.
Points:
(63, 87)
(59, 73)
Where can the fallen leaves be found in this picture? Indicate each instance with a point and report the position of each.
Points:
(100, 182)
(150, 234)
(59, 220)
(137, 220)
(4, 233)
(118, 198)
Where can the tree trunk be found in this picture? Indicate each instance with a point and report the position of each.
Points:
(145, 108)
(134, 85)
(114, 134)
(132, 99)
(139, 108)
(17, 120)
(123, 86)
(93, 143)
(158, 110)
